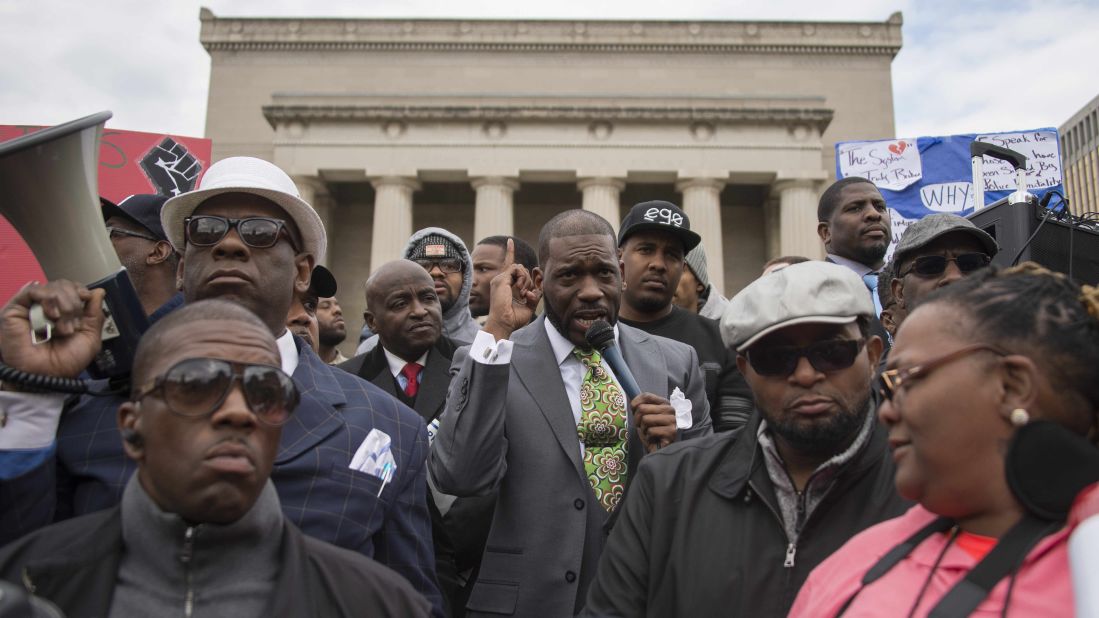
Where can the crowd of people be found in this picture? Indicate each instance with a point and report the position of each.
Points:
(580, 427)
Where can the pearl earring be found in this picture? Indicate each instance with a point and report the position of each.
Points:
(1019, 417)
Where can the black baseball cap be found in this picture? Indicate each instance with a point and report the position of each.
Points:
(322, 283)
(143, 209)
(659, 216)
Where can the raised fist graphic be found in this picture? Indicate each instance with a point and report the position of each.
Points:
(171, 168)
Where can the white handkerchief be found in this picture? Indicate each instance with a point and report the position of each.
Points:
(683, 407)
(374, 455)
(432, 431)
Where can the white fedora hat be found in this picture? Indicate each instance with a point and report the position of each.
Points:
(247, 175)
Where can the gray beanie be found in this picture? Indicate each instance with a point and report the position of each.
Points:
(696, 261)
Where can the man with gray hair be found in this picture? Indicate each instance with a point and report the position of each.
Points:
(736, 521)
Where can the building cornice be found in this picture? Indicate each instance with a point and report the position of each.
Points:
(818, 117)
(449, 35)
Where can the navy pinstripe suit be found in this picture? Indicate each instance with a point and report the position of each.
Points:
(318, 491)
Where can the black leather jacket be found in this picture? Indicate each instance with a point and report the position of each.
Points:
(701, 534)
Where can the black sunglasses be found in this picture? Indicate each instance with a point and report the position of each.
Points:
(825, 356)
(933, 265)
(257, 232)
(446, 265)
(115, 232)
(197, 387)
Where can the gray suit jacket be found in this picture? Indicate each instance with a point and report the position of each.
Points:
(511, 427)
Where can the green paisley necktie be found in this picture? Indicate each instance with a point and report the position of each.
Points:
(602, 430)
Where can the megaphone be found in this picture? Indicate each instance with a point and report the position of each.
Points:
(49, 191)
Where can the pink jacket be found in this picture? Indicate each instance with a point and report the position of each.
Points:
(1043, 586)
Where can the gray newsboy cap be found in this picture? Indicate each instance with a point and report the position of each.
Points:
(927, 229)
(810, 292)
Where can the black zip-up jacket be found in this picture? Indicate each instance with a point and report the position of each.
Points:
(74, 564)
(701, 534)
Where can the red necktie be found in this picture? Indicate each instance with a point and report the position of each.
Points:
(412, 371)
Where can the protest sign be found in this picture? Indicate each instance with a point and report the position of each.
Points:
(924, 175)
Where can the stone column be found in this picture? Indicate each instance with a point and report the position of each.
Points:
(494, 211)
(315, 193)
(798, 218)
(702, 203)
(392, 217)
(771, 226)
(601, 197)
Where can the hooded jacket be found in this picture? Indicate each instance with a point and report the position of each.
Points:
(458, 324)
(714, 305)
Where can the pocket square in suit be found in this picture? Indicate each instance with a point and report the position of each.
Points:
(683, 407)
(375, 456)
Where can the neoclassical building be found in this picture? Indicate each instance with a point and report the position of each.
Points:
(493, 126)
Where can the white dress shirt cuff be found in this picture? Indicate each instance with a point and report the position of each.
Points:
(31, 419)
(487, 351)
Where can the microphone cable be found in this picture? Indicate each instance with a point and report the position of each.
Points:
(41, 383)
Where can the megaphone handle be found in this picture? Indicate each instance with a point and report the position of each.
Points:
(42, 327)
(40, 324)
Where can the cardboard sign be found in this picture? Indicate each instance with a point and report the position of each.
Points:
(1043, 166)
(890, 164)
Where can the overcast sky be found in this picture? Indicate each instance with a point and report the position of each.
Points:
(965, 67)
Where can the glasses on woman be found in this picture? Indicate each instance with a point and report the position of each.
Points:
(196, 387)
(934, 265)
(257, 232)
(893, 380)
(824, 356)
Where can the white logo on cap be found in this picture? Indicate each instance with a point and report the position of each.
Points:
(664, 215)
(435, 250)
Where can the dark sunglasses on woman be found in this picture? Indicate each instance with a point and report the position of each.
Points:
(197, 387)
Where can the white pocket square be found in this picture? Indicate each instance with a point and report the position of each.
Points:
(374, 456)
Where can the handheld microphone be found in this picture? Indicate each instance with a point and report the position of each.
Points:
(600, 336)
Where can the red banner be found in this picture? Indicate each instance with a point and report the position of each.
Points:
(129, 162)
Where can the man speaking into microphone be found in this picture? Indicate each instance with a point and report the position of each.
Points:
(535, 412)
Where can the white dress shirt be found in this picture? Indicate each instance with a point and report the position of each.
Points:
(396, 365)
